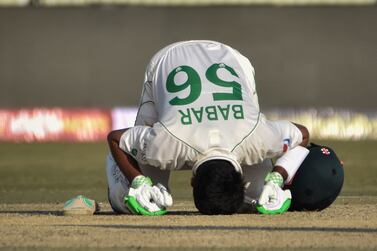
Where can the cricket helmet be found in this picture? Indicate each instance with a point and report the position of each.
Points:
(318, 181)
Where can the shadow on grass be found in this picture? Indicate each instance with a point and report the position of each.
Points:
(231, 228)
(103, 213)
(178, 213)
(33, 212)
(183, 213)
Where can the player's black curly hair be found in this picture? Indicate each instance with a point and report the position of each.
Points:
(217, 188)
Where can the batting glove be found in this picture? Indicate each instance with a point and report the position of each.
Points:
(145, 199)
(161, 196)
(274, 200)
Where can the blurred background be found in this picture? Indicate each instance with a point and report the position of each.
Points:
(72, 70)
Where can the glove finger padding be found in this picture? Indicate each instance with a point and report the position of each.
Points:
(158, 197)
(164, 197)
(136, 208)
(146, 198)
(274, 200)
(141, 197)
(265, 196)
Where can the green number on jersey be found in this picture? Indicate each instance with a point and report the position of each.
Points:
(193, 81)
(211, 75)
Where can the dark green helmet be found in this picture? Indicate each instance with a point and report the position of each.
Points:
(318, 181)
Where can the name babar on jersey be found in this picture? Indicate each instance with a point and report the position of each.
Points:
(205, 95)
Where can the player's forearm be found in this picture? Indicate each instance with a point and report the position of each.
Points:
(125, 162)
(289, 163)
(305, 134)
(282, 172)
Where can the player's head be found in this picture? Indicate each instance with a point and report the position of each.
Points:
(217, 187)
(318, 181)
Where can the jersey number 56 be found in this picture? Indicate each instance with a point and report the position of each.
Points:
(194, 82)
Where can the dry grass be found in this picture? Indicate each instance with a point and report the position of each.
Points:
(351, 223)
(37, 178)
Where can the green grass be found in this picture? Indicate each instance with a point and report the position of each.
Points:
(55, 172)
(360, 166)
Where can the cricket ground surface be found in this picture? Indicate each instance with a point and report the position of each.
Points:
(36, 179)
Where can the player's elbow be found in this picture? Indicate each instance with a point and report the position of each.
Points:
(114, 136)
(305, 136)
(110, 136)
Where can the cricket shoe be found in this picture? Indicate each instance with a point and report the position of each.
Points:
(80, 205)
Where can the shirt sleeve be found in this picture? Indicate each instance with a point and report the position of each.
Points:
(281, 135)
(133, 141)
(155, 147)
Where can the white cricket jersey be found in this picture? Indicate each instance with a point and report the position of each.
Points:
(202, 96)
(204, 93)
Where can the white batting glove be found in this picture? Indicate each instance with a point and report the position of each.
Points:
(274, 200)
(141, 197)
(144, 195)
(161, 196)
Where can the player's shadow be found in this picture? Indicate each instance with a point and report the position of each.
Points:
(103, 213)
(231, 228)
(33, 212)
(179, 213)
(183, 212)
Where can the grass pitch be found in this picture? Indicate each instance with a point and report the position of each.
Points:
(54, 172)
(35, 180)
(349, 224)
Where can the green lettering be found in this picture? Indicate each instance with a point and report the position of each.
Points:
(211, 112)
(224, 111)
(236, 89)
(198, 114)
(193, 82)
(186, 118)
(237, 111)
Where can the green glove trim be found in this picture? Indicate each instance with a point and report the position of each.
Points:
(281, 210)
(136, 208)
(276, 178)
(140, 180)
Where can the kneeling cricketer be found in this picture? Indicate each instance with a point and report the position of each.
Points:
(199, 110)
